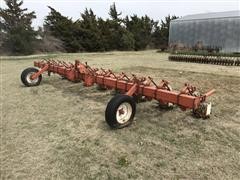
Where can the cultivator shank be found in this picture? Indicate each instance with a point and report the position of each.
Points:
(120, 110)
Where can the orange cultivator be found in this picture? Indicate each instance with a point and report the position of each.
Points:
(121, 109)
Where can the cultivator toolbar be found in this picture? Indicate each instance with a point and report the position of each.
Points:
(121, 109)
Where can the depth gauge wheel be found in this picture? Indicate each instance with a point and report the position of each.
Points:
(203, 110)
(26, 77)
(120, 111)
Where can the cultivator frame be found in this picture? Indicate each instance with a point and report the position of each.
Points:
(120, 110)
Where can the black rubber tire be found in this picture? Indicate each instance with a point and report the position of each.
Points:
(25, 74)
(111, 110)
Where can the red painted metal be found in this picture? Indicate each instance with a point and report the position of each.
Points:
(35, 75)
(129, 85)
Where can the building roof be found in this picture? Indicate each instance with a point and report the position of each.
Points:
(214, 15)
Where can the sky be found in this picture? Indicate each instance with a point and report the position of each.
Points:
(156, 9)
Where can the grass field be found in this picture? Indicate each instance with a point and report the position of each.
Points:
(58, 131)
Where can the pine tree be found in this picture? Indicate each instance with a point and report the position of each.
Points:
(90, 36)
(127, 41)
(114, 15)
(161, 33)
(15, 24)
(165, 26)
(115, 28)
(142, 29)
(105, 33)
(64, 29)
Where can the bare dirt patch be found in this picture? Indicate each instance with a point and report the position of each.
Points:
(58, 130)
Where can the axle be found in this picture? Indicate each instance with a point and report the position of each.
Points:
(120, 110)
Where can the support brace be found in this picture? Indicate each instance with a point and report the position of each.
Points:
(35, 75)
(132, 90)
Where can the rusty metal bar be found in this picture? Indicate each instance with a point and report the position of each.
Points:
(108, 79)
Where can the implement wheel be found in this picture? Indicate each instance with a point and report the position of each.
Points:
(203, 111)
(26, 77)
(120, 111)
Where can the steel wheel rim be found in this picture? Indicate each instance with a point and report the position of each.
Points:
(124, 113)
(31, 81)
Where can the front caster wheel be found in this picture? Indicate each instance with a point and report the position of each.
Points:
(120, 111)
(26, 77)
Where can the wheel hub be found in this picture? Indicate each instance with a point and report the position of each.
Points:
(29, 78)
(124, 113)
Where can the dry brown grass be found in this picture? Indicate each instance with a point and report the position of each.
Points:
(57, 130)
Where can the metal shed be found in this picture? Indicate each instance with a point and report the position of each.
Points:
(218, 30)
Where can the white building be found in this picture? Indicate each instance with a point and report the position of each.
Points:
(217, 30)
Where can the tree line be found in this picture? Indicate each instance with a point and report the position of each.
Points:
(88, 33)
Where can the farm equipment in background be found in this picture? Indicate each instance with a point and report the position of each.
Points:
(217, 60)
(120, 110)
